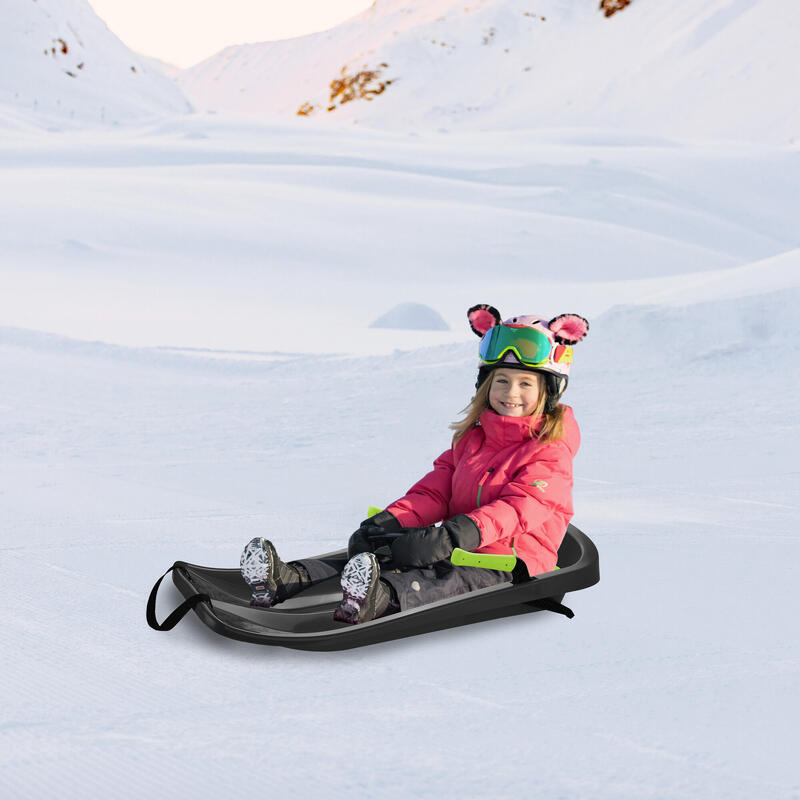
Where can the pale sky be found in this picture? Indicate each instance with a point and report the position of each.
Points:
(184, 32)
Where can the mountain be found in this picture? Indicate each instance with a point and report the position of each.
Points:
(687, 68)
(59, 61)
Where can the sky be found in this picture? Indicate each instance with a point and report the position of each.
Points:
(184, 32)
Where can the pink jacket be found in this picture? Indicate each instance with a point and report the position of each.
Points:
(516, 489)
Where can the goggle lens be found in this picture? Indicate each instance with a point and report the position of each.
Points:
(532, 347)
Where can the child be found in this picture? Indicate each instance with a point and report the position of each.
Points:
(504, 486)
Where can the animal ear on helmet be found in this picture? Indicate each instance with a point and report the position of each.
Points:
(482, 318)
(568, 328)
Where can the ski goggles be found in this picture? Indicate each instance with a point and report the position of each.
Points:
(531, 347)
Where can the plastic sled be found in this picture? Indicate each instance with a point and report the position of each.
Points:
(305, 622)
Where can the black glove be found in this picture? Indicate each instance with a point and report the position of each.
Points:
(372, 532)
(420, 547)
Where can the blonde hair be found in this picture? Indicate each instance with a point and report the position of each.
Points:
(552, 426)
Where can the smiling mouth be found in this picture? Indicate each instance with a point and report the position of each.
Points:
(511, 405)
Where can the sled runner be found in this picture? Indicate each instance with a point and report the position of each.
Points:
(305, 622)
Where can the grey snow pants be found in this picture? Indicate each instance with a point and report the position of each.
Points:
(416, 587)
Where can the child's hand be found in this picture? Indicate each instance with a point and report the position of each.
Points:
(372, 533)
(421, 547)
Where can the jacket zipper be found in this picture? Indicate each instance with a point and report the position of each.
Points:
(481, 482)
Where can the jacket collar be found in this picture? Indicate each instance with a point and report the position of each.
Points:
(502, 431)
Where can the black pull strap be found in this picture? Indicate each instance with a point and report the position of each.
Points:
(548, 604)
(178, 614)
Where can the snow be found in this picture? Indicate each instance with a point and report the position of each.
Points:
(160, 405)
(156, 215)
(159, 401)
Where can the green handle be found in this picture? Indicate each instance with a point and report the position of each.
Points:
(463, 558)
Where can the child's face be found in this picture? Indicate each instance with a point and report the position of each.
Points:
(514, 392)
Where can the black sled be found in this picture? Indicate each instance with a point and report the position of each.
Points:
(305, 622)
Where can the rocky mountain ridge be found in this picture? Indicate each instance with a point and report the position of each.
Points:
(61, 63)
(688, 68)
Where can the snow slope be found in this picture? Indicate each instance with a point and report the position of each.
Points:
(721, 69)
(160, 403)
(59, 64)
(229, 218)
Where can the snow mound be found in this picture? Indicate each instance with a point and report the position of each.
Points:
(59, 62)
(729, 335)
(413, 317)
(507, 64)
(775, 274)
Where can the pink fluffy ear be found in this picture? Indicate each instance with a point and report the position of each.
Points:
(568, 328)
(482, 318)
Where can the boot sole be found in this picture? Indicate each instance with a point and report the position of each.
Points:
(359, 578)
(257, 567)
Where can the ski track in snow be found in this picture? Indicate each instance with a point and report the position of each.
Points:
(677, 677)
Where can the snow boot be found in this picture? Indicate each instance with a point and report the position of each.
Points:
(270, 580)
(365, 595)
